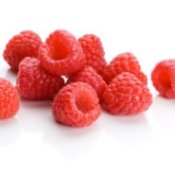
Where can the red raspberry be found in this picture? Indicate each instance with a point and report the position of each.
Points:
(34, 83)
(62, 54)
(90, 76)
(126, 95)
(163, 78)
(142, 77)
(76, 105)
(125, 62)
(9, 99)
(20, 46)
(93, 51)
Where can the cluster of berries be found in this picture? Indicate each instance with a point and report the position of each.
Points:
(76, 77)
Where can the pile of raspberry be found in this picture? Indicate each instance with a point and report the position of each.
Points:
(74, 75)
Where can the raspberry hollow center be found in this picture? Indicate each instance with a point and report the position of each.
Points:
(59, 51)
(164, 79)
(84, 102)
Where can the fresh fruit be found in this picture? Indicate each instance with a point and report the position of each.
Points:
(35, 83)
(9, 99)
(126, 95)
(20, 46)
(94, 52)
(125, 62)
(91, 77)
(163, 78)
(61, 54)
(76, 105)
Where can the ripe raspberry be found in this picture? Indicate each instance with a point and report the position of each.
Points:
(20, 46)
(142, 77)
(62, 54)
(163, 78)
(125, 62)
(9, 99)
(93, 51)
(126, 95)
(90, 76)
(76, 105)
(34, 83)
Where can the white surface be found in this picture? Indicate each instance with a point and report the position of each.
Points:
(31, 143)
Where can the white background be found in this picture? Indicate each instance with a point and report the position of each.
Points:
(31, 143)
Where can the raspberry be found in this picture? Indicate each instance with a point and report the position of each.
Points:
(62, 54)
(142, 77)
(34, 83)
(125, 62)
(91, 77)
(126, 95)
(76, 105)
(93, 51)
(163, 78)
(9, 99)
(20, 46)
